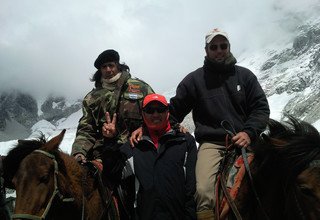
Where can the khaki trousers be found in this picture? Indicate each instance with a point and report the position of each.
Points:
(209, 157)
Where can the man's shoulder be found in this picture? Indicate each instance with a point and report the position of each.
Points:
(196, 72)
(135, 84)
(243, 70)
(96, 93)
(194, 75)
(135, 80)
(186, 136)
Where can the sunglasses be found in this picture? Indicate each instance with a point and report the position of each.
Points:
(214, 47)
(151, 110)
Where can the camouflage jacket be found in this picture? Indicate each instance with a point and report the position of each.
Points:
(125, 100)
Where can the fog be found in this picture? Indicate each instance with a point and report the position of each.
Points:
(50, 46)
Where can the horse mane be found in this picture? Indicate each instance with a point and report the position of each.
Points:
(290, 145)
(12, 161)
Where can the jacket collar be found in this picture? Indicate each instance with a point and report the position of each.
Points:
(226, 67)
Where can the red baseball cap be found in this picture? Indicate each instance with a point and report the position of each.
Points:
(154, 97)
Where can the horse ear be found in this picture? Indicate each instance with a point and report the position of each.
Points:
(54, 143)
(264, 137)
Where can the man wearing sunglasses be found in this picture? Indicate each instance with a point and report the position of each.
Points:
(164, 162)
(218, 91)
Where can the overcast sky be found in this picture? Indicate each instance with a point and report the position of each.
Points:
(50, 45)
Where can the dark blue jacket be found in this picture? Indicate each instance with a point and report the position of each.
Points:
(166, 176)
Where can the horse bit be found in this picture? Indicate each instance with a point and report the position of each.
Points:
(55, 193)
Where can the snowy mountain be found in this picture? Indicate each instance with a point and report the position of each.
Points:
(20, 111)
(291, 71)
(287, 70)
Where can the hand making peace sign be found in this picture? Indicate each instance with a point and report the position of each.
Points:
(109, 127)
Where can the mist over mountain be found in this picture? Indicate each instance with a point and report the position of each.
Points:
(288, 71)
(19, 112)
(291, 70)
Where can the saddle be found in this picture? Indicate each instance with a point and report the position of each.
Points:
(229, 181)
(232, 169)
(95, 167)
(119, 192)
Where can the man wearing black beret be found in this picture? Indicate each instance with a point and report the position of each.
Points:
(112, 107)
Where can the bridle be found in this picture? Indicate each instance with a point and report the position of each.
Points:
(55, 193)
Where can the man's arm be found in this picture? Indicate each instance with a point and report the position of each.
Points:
(184, 100)
(257, 109)
(190, 205)
(86, 133)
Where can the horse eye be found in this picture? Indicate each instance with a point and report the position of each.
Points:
(305, 190)
(44, 179)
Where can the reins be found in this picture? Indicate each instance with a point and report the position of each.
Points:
(106, 195)
(226, 125)
(55, 193)
(102, 191)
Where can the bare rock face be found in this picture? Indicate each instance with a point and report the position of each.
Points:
(21, 107)
(55, 108)
(18, 112)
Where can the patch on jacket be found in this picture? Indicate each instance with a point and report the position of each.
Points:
(134, 88)
(133, 96)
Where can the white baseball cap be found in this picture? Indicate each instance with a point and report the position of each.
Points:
(211, 34)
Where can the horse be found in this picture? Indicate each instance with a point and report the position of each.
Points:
(285, 174)
(51, 184)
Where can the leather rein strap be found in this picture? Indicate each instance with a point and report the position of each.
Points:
(55, 193)
(226, 125)
(221, 180)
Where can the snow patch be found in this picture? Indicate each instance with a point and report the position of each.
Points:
(277, 103)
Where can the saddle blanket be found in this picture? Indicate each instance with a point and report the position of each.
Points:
(234, 180)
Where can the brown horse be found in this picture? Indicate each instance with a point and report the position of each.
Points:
(285, 175)
(52, 185)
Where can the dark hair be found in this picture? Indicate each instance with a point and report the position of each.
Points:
(96, 78)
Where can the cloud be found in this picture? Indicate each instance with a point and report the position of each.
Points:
(50, 46)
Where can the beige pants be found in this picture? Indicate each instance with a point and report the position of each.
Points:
(209, 157)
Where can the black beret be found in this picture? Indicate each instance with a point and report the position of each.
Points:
(107, 56)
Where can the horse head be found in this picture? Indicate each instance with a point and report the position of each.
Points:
(51, 184)
(307, 193)
(287, 170)
(36, 178)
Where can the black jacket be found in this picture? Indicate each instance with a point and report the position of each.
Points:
(166, 176)
(216, 93)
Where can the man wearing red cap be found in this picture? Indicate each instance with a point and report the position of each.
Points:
(164, 165)
(218, 91)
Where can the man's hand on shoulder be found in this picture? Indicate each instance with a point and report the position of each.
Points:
(135, 136)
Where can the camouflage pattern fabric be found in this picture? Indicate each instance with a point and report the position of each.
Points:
(101, 100)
